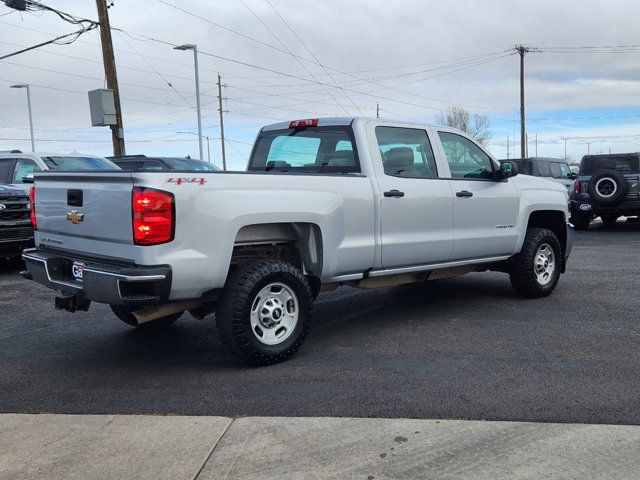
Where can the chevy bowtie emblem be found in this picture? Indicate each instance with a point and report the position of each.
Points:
(74, 217)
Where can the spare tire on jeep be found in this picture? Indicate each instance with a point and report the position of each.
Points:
(608, 187)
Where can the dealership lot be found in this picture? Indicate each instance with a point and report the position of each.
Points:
(460, 349)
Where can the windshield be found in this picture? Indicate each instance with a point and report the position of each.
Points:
(79, 163)
(621, 163)
(186, 164)
(328, 149)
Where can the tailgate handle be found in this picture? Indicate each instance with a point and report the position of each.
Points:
(74, 198)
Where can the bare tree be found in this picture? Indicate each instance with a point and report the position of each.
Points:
(474, 124)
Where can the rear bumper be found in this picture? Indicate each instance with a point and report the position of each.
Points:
(101, 282)
(627, 207)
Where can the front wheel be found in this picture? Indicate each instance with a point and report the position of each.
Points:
(535, 271)
(264, 313)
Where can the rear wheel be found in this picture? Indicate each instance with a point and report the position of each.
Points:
(124, 314)
(536, 269)
(264, 313)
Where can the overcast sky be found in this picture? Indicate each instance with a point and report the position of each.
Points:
(413, 57)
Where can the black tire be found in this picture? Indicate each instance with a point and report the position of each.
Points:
(609, 219)
(580, 221)
(523, 275)
(605, 180)
(124, 314)
(240, 295)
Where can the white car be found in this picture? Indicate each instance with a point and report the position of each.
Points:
(323, 203)
(15, 165)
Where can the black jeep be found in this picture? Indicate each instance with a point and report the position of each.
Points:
(608, 186)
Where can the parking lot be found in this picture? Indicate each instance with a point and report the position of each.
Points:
(467, 348)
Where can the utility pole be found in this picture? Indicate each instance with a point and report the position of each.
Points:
(536, 144)
(565, 147)
(589, 146)
(117, 130)
(377, 110)
(224, 156)
(507, 147)
(522, 50)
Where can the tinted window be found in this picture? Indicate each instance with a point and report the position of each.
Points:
(466, 159)
(622, 163)
(544, 169)
(406, 152)
(185, 164)
(23, 167)
(79, 163)
(311, 150)
(555, 170)
(6, 169)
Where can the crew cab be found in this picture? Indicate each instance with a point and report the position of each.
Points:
(323, 203)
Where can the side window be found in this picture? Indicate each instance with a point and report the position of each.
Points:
(544, 169)
(406, 152)
(466, 159)
(152, 165)
(6, 169)
(24, 166)
(565, 171)
(555, 170)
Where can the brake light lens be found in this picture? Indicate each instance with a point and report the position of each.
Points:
(32, 207)
(153, 216)
(576, 187)
(310, 122)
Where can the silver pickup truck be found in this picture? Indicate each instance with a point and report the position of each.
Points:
(323, 203)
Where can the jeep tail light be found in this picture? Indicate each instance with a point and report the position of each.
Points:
(153, 216)
(32, 207)
(310, 122)
(576, 187)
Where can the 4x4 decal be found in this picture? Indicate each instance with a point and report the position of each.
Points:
(182, 180)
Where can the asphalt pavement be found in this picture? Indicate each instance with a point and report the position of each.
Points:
(467, 348)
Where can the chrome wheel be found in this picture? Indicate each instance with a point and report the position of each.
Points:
(544, 264)
(274, 313)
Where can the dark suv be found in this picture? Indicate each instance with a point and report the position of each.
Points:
(15, 223)
(608, 186)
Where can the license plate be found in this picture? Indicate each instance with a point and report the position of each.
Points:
(76, 270)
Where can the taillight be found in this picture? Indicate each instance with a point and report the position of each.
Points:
(310, 122)
(153, 216)
(32, 207)
(576, 187)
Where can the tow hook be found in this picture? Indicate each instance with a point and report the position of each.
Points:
(72, 303)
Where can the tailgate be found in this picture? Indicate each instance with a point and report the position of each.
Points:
(85, 212)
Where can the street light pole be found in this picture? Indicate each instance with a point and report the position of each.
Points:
(28, 88)
(208, 144)
(197, 75)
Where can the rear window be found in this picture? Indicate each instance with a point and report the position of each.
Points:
(306, 150)
(622, 163)
(186, 164)
(79, 163)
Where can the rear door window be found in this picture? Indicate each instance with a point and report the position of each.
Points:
(544, 169)
(555, 170)
(406, 152)
(328, 149)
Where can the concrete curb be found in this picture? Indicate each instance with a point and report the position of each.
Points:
(155, 447)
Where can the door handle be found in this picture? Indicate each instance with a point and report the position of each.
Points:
(394, 193)
(464, 194)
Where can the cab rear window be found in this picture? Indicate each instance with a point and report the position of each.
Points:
(329, 149)
(621, 163)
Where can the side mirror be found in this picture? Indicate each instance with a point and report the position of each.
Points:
(507, 170)
(572, 176)
(28, 178)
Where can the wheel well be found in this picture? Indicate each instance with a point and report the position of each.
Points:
(554, 221)
(297, 243)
